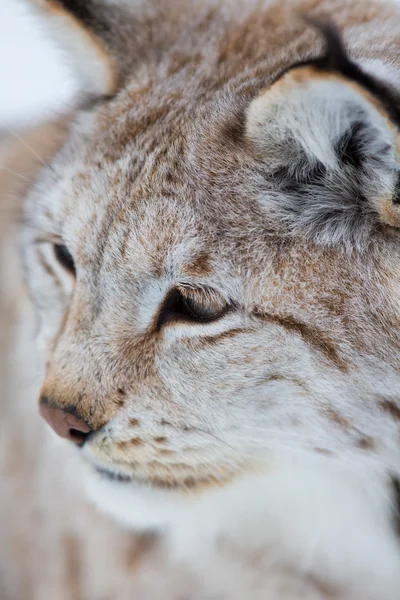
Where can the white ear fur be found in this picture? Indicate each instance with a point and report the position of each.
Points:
(306, 113)
(89, 56)
(315, 110)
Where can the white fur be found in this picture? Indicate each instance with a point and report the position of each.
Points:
(314, 113)
(94, 68)
(330, 523)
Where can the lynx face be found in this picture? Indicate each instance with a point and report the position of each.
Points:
(215, 263)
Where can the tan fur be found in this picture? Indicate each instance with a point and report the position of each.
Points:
(156, 188)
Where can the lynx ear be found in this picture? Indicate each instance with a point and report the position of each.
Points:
(331, 132)
(82, 28)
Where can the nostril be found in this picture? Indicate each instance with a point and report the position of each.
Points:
(65, 424)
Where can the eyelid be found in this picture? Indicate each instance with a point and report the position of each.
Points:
(174, 309)
(201, 293)
(51, 239)
(206, 299)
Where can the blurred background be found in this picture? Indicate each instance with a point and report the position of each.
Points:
(37, 86)
(36, 79)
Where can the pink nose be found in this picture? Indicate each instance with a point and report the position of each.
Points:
(65, 424)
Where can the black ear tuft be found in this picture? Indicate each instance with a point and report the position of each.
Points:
(349, 147)
(82, 9)
(336, 59)
(86, 12)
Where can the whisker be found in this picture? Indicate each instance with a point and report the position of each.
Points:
(18, 175)
(219, 440)
(32, 150)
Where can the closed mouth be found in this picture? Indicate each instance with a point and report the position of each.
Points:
(112, 476)
(187, 484)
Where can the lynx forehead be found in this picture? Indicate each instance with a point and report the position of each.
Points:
(214, 253)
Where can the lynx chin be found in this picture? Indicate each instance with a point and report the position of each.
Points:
(213, 254)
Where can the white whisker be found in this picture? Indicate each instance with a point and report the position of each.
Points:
(18, 175)
(32, 150)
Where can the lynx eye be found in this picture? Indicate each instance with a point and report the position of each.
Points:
(192, 304)
(64, 257)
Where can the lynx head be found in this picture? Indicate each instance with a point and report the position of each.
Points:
(214, 253)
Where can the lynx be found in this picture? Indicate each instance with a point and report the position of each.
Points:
(213, 258)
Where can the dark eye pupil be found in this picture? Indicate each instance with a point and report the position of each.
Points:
(64, 258)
